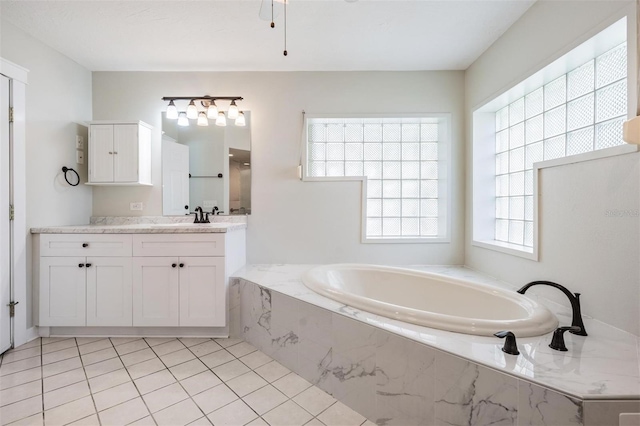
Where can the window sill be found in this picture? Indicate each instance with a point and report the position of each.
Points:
(411, 240)
(513, 249)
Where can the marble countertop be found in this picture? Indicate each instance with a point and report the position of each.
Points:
(603, 365)
(145, 228)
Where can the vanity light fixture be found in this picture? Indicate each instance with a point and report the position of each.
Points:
(221, 120)
(240, 121)
(172, 111)
(210, 112)
(183, 120)
(202, 119)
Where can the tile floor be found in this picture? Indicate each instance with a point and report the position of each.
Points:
(163, 381)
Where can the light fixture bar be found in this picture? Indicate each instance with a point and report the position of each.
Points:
(202, 98)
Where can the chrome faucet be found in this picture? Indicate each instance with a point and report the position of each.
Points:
(574, 298)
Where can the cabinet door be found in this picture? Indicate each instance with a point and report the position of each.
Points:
(125, 150)
(101, 153)
(202, 292)
(109, 291)
(62, 291)
(155, 291)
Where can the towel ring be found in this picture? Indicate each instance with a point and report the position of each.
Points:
(67, 169)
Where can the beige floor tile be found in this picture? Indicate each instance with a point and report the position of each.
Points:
(265, 399)
(155, 341)
(205, 348)
(70, 412)
(188, 369)
(179, 414)
(287, 414)
(202, 421)
(214, 398)
(225, 343)
(368, 423)
(22, 409)
(66, 394)
(241, 349)
(103, 367)
(136, 345)
(117, 341)
(61, 367)
(19, 393)
(314, 400)
(137, 357)
(86, 340)
(230, 370)
(154, 381)
(200, 382)
(125, 413)
(17, 366)
(60, 355)
(65, 379)
(256, 359)
(164, 397)
(145, 421)
(145, 368)
(217, 358)
(291, 384)
(92, 420)
(58, 346)
(314, 422)
(246, 383)
(236, 413)
(272, 371)
(97, 345)
(192, 341)
(35, 420)
(167, 348)
(109, 380)
(258, 422)
(178, 357)
(340, 415)
(31, 344)
(14, 356)
(20, 378)
(49, 340)
(99, 356)
(116, 395)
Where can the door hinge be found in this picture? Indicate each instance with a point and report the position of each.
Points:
(11, 115)
(11, 212)
(12, 309)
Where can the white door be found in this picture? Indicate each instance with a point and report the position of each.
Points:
(63, 291)
(155, 291)
(125, 153)
(109, 291)
(202, 292)
(101, 153)
(5, 226)
(175, 178)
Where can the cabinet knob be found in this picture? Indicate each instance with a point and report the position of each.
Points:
(173, 265)
(85, 244)
(182, 265)
(80, 265)
(88, 265)
(110, 152)
(115, 152)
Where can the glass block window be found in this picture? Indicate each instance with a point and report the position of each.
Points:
(400, 158)
(579, 112)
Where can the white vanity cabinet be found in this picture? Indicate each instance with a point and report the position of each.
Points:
(119, 153)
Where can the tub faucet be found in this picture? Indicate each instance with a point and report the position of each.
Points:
(510, 346)
(575, 304)
(557, 342)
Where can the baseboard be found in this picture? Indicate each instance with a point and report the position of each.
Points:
(209, 332)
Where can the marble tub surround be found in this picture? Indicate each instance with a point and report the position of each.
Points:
(601, 366)
(143, 228)
(145, 220)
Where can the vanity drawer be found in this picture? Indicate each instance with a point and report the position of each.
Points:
(85, 245)
(178, 244)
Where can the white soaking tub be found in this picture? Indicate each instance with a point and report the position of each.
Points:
(431, 300)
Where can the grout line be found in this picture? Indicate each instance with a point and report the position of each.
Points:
(90, 392)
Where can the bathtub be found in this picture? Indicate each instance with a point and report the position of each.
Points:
(431, 300)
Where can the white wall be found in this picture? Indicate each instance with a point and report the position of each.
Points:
(292, 221)
(580, 247)
(58, 99)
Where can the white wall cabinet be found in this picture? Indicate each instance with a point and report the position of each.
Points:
(139, 280)
(119, 153)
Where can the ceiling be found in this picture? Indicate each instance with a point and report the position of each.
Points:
(228, 35)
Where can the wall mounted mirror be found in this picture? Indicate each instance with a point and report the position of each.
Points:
(207, 166)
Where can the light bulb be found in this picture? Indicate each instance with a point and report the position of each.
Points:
(172, 111)
(192, 111)
(240, 120)
(221, 120)
(212, 110)
(183, 120)
(233, 111)
(202, 119)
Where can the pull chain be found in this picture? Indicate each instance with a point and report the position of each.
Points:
(273, 24)
(285, 28)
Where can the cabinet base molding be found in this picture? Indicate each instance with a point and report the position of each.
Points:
(208, 332)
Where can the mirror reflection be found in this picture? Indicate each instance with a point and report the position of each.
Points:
(207, 166)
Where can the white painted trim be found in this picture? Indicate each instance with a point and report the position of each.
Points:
(588, 156)
(13, 71)
(209, 332)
